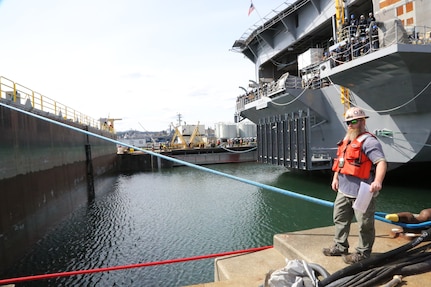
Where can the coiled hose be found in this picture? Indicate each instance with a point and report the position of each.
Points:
(411, 261)
(412, 265)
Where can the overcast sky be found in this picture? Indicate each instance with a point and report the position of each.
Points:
(139, 60)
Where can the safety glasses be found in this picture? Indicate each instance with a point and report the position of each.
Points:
(352, 122)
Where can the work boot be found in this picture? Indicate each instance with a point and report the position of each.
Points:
(354, 258)
(334, 251)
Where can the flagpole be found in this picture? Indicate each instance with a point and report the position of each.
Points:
(253, 8)
(250, 10)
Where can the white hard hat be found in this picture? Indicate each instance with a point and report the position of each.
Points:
(354, 113)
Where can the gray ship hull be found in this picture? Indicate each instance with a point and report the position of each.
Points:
(299, 125)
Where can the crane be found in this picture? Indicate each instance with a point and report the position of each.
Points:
(177, 134)
(152, 139)
(194, 135)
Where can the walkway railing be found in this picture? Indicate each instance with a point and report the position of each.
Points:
(274, 16)
(28, 99)
(362, 42)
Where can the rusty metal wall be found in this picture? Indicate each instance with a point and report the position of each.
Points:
(43, 177)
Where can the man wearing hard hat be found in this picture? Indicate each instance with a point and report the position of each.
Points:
(360, 158)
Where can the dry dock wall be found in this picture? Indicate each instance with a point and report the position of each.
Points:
(43, 177)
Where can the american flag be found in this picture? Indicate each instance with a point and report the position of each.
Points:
(251, 9)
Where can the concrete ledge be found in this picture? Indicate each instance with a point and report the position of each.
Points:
(240, 282)
(308, 244)
(251, 265)
(250, 269)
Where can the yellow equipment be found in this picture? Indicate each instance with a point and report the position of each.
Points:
(199, 142)
(179, 141)
(340, 16)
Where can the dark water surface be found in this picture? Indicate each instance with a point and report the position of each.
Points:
(184, 212)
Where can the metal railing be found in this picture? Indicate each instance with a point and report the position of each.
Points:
(356, 44)
(28, 99)
(274, 16)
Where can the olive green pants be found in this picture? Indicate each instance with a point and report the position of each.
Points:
(343, 216)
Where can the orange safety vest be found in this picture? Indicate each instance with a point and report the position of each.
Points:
(351, 160)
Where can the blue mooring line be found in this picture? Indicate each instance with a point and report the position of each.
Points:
(264, 186)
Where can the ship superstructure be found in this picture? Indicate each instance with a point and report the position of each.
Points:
(313, 63)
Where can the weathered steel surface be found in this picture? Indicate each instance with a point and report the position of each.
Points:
(43, 177)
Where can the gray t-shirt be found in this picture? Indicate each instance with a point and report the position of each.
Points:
(349, 185)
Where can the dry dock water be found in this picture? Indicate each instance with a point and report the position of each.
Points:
(249, 270)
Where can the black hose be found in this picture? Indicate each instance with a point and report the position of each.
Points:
(319, 270)
(380, 275)
(376, 260)
(404, 270)
(356, 279)
(367, 277)
(416, 250)
(420, 267)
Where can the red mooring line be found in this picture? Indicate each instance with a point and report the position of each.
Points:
(88, 271)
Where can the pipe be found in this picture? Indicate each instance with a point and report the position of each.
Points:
(394, 282)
